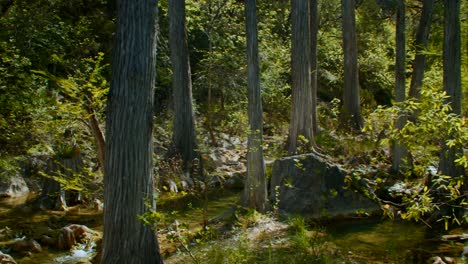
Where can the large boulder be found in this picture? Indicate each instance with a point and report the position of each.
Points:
(13, 186)
(311, 186)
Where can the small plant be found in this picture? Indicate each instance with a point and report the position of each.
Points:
(276, 201)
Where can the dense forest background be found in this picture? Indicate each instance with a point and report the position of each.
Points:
(55, 73)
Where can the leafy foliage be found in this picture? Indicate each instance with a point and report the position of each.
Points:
(424, 136)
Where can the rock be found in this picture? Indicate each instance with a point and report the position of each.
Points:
(314, 187)
(13, 186)
(235, 141)
(184, 186)
(170, 186)
(71, 234)
(26, 245)
(6, 259)
(98, 205)
(465, 251)
(80, 231)
(214, 160)
(436, 260)
(449, 260)
(66, 239)
(186, 182)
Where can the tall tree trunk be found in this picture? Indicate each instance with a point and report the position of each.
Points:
(314, 27)
(183, 138)
(129, 151)
(301, 112)
(209, 106)
(452, 78)
(399, 152)
(351, 101)
(255, 193)
(422, 37)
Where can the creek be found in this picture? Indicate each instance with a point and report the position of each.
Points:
(386, 241)
(361, 240)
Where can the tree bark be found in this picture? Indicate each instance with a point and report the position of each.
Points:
(399, 152)
(255, 193)
(422, 38)
(301, 112)
(184, 137)
(129, 151)
(98, 138)
(452, 79)
(314, 28)
(351, 101)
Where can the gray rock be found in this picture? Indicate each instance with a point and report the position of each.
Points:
(13, 186)
(214, 160)
(314, 187)
(235, 141)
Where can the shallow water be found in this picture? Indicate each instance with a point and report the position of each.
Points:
(386, 241)
(20, 218)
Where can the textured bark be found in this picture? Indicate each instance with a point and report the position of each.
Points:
(53, 195)
(452, 78)
(399, 152)
(183, 138)
(351, 101)
(255, 192)
(314, 27)
(422, 37)
(452, 54)
(301, 113)
(98, 139)
(128, 167)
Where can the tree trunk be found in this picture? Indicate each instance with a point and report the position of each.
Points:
(399, 152)
(183, 138)
(98, 138)
(301, 113)
(314, 27)
(422, 37)
(255, 193)
(129, 151)
(53, 195)
(209, 107)
(452, 79)
(351, 101)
